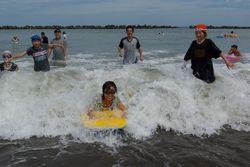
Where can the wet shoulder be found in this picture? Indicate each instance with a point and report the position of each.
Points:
(194, 42)
(30, 50)
(136, 39)
(209, 41)
(125, 38)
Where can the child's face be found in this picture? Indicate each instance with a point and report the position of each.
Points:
(109, 95)
(36, 43)
(6, 57)
(233, 49)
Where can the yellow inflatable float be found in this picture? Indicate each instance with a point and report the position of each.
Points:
(231, 35)
(104, 120)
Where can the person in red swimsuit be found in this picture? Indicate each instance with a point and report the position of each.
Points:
(234, 51)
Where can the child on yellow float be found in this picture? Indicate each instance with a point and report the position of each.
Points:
(108, 100)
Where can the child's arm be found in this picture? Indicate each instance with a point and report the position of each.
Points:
(90, 113)
(230, 52)
(19, 55)
(122, 107)
(229, 64)
(240, 54)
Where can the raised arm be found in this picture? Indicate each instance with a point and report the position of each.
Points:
(18, 55)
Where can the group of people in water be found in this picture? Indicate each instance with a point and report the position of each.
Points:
(40, 50)
(200, 52)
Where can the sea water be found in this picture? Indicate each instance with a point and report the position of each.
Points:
(164, 102)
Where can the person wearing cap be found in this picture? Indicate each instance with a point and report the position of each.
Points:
(201, 52)
(7, 65)
(130, 44)
(59, 53)
(108, 100)
(39, 52)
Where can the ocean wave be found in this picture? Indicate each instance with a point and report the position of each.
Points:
(157, 95)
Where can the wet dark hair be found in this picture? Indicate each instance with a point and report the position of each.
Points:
(42, 33)
(130, 26)
(107, 85)
(232, 32)
(234, 46)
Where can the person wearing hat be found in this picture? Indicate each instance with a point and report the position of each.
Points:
(59, 53)
(39, 52)
(7, 65)
(201, 52)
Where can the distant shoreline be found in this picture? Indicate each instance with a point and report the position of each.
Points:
(29, 27)
(223, 27)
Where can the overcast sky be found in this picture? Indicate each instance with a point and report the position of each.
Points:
(100, 12)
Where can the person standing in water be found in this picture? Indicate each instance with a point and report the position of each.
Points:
(7, 65)
(130, 44)
(64, 36)
(15, 40)
(45, 40)
(201, 52)
(39, 52)
(59, 53)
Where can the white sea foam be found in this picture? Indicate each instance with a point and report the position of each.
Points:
(157, 94)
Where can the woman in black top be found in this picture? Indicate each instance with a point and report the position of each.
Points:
(6, 65)
(201, 52)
